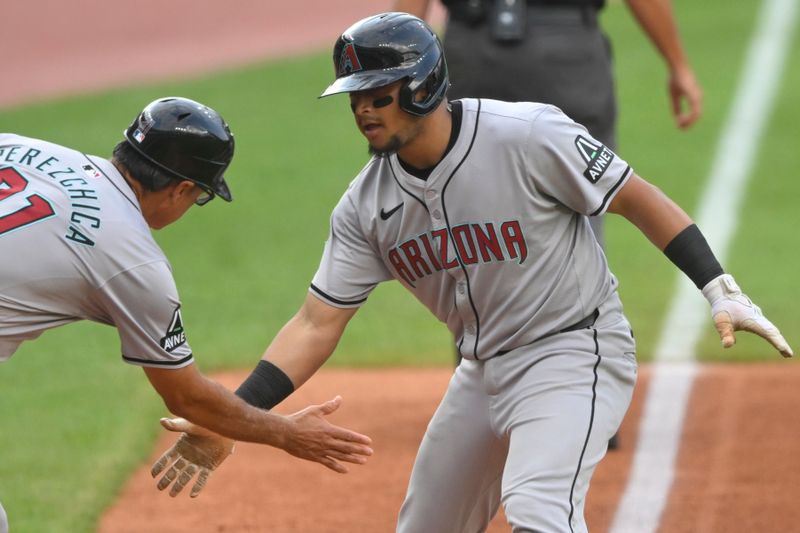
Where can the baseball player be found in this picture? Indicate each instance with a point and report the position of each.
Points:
(76, 244)
(479, 208)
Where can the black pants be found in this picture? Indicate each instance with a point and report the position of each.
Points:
(564, 60)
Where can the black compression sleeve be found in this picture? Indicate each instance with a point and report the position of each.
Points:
(690, 252)
(266, 386)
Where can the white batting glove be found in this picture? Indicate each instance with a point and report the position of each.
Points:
(733, 311)
(197, 451)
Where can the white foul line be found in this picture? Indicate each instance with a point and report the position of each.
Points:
(675, 368)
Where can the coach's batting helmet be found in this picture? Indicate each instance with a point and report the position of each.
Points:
(382, 49)
(187, 140)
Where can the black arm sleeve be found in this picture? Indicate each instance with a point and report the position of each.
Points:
(266, 386)
(690, 252)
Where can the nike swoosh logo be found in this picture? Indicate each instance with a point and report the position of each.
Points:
(386, 214)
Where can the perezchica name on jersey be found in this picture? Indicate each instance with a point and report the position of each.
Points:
(81, 198)
(427, 253)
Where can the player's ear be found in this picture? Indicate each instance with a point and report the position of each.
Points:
(182, 189)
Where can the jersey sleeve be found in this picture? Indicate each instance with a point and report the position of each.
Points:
(350, 267)
(143, 304)
(571, 166)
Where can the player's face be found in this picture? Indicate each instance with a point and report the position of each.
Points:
(379, 118)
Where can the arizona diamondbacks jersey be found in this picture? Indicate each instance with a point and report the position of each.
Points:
(495, 242)
(74, 245)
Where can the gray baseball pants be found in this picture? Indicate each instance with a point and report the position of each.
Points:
(525, 429)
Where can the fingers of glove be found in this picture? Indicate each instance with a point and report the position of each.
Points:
(183, 479)
(776, 339)
(181, 424)
(724, 325)
(767, 330)
(205, 451)
(176, 424)
(171, 474)
(202, 478)
(166, 458)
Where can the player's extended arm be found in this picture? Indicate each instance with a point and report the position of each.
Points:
(658, 21)
(302, 346)
(673, 232)
(299, 349)
(418, 8)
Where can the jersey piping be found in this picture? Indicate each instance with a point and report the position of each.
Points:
(150, 362)
(452, 238)
(612, 191)
(412, 195)
(588, 431)
(336, 300)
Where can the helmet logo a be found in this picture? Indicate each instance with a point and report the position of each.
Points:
(348, 61)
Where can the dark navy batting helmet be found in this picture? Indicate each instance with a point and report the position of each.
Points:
(185, 139)
(383, 49)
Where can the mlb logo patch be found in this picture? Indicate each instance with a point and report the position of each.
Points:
(138, 135)
(91, 172)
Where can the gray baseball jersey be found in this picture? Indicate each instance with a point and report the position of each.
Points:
(494, 242)
(75, 246)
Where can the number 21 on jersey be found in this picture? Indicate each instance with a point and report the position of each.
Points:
(11, 183)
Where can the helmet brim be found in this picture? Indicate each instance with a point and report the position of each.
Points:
(364, 80)
(223, 191)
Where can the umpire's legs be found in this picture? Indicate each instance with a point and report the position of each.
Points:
(455, 482)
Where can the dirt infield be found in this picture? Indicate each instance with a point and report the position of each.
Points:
(58, 48)
(737, 466)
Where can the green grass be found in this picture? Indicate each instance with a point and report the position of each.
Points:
(678, 162)
(74, 420)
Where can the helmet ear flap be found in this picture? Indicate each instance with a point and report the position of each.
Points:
(435, 85)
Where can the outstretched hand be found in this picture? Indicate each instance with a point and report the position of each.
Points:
(308, 436)
(197, 451)
(733, 311)
(313, 438)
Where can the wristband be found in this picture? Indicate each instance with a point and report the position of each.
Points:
(266, 386)
(690, 252)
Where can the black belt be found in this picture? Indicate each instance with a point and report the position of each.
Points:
(581, 324)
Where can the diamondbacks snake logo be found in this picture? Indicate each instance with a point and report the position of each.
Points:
(348, 61)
